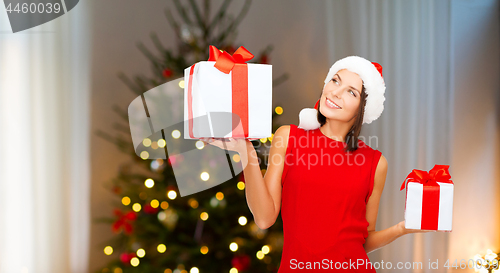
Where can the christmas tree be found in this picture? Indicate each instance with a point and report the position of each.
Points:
(211, 231)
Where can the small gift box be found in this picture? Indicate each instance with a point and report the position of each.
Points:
(429, 199)
(226, 97)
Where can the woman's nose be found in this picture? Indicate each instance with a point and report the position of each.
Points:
(337, 92)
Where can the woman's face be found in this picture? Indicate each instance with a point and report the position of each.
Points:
(344, 90)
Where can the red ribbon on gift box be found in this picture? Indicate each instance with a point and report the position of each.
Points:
(239, 81)
(430, 198)
(225, 62)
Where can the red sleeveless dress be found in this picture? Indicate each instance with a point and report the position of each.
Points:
(324, 196)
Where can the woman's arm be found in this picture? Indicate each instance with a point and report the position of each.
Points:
(378, 239)
(263, 193)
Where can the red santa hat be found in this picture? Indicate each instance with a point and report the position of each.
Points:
(373, 81)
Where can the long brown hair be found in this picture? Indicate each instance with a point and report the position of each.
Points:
(353, 134)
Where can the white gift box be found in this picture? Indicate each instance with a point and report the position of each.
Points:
(429, 207)
(211, 110)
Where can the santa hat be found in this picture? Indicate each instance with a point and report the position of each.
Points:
(373, 81)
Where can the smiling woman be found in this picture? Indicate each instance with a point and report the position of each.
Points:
(328, 195)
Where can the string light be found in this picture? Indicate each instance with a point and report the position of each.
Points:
(126, 200)
(149, 183)
(193, 203)
(233, 270)
(260, 255)
(162, 216)
(204, 216)
(236, 158)
(154, 145)
(263, 140)
(204, 176)
(136, 207)
(219, 196)
(172, 194)
(161, 248)
(141, 253)
(199, 144)
(242, 220)
(266, 249)
(154, 203)
(144, 155)
(176, 134)
(233, 246)
(134, 262)
(108, 250)
(194, 270)
(241, 185)
(164, 205)
(146, 142)
(181, 84)
(278, 110)
(204, 250)
(162, 143)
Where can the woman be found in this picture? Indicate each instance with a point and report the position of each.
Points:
(326, 182)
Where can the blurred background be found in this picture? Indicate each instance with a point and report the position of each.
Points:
(74, 196)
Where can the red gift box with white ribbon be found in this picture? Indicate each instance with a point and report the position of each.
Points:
(429, 199)
(226, 97)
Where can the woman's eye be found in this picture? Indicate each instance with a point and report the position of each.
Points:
(334, 80)
(352, 93)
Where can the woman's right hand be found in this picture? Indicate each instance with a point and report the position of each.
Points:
(238, 145)
(404, 230)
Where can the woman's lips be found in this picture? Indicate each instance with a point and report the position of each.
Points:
(331, 104)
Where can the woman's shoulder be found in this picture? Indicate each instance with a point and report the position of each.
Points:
(362, 146)
(286, 130)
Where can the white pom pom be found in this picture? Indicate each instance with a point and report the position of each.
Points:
(308, 119)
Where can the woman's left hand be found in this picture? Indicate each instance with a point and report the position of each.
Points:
(401, 226)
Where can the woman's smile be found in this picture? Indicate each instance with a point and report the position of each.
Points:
(332, 104)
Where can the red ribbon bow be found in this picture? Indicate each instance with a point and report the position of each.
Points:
(225, 62)
(124, 221)
(437, 173)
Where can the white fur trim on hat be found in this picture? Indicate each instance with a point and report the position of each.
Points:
(372, 80)
(308, 119)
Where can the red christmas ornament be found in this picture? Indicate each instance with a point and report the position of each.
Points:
(241, 178)
(264, 59)
(241, 262)
(126, 257)
(124, 221)
(167, 72)
(171, 160)
(150, 210)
